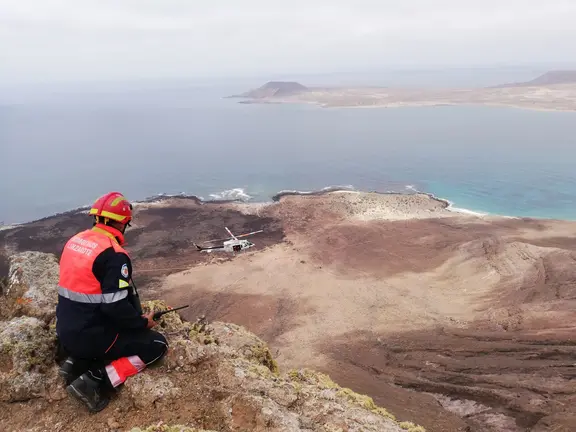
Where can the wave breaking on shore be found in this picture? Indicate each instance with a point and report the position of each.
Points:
(449, 204)
(242, 196)
(231, 195)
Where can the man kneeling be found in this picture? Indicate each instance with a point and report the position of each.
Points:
(100, 323)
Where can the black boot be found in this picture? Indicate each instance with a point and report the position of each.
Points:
(89, 388)
(68, 370)
(72, 368)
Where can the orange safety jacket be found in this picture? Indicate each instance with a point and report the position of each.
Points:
(95, 298)
(77, 281)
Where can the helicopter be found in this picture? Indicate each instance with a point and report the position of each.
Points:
(230, 244)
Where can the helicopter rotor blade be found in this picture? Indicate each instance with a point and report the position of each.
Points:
(230, 232)
(250, 233)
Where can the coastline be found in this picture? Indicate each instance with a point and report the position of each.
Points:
(165, 200)
(430, 104)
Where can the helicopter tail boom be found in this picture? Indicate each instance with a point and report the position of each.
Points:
(200, 248)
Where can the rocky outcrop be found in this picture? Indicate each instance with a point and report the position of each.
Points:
(215, 377)
(549, 78)
(27, 337)
(27, 368)
(554, 77)
(31, 286)
(275, 89)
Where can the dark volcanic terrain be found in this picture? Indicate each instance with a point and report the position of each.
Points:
(160, 240)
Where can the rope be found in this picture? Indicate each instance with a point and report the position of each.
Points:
(137, 271)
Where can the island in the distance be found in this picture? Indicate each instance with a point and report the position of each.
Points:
(555, 90)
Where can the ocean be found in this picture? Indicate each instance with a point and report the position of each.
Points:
(64, 149)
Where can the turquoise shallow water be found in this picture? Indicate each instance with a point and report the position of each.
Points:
(540, 203)
(65, 151)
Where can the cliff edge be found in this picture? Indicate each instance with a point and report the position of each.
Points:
(216, 376)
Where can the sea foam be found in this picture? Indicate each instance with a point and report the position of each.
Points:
(231, 195)
(333, 188)
(450, 204)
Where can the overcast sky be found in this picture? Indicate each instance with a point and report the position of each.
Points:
(92, 39)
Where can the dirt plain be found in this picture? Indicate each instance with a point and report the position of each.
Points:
(456, 322)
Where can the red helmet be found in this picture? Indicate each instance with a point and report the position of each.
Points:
(113, 206)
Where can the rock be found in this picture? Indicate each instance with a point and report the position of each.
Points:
(285, 395)
(244, 342)
(186, 354)
(27, 350)
(172, 325)
(298, 399)
(257, 413)
(22, 387)
(113, 424)
(32, 287)
(328, 394)
(275, 89)
(145, 391)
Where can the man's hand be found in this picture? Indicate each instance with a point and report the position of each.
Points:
(149, 316)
